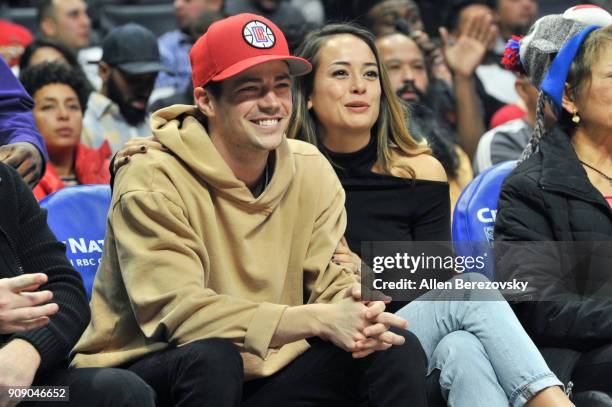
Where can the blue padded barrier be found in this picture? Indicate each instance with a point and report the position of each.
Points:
(77, 217)
(474, 215)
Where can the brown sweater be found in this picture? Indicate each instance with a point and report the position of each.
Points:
(191, 254)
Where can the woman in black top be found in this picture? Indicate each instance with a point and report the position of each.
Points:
(397, 191)
(388, 201)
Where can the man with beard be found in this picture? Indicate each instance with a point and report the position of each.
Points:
(410, 79)
(130, 63)
(174, 45)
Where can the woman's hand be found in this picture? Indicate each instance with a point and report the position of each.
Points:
(137, 145)
(345, 258)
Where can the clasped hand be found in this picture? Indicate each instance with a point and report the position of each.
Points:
(362, 327)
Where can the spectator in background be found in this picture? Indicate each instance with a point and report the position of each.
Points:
(46, 50)
(384, 14)
(388, 16)
(66, 22)
(508, 141)
(514, 17)
(174, 45)
(21, 145)
(288, 18)
(129, 66)
(60, 95)
(409, 78)
(198, 27)
(13, 40)
(493, 85)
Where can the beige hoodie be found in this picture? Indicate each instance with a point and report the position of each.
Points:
(191, 254)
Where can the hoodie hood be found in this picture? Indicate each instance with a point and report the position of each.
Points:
(178, 129)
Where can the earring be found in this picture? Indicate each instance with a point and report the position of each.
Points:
(576, 118)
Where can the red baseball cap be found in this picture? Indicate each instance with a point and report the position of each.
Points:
(237, 43)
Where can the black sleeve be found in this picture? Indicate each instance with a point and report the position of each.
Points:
(565, 319)
(39, 251)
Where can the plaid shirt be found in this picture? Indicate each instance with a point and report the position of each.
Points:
(103, 121)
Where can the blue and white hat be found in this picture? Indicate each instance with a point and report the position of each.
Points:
(560, 34)
(547, 52)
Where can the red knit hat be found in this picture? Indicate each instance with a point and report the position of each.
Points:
(237, 43)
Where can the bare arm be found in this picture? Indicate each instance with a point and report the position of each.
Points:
(463, 57)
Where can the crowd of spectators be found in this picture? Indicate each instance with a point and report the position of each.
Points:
(369, 119)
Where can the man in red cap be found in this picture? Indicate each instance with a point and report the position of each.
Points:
(217, 262)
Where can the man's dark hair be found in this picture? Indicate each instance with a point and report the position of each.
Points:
(44, 10)
(41, 75)
(214, 87)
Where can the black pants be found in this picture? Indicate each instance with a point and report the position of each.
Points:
(96, 387)
(209, 373)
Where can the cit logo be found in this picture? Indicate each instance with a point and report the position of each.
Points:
(486, 215)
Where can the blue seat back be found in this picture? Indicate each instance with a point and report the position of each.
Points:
(77, 217)
(475, 211)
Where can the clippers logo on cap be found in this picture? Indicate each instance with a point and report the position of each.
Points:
(258, 35)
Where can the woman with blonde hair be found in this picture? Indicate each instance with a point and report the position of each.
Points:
(396, 191)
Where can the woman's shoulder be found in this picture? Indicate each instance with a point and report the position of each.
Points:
(425, 166)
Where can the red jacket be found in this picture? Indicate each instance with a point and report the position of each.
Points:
(90, 166)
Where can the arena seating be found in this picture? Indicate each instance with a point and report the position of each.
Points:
(77, 217)
(26, 16)
(158, 18)
(474, 216)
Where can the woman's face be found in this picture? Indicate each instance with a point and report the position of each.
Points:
(594, 102)
(346, 90)
(58, 116)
